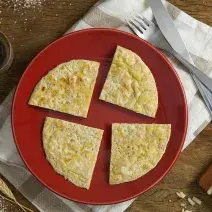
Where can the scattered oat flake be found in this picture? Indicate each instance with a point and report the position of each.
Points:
(209, 192)
(198, 201)
(191, 201)
(183, 205)
(181, 194)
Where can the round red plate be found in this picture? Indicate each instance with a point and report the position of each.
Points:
(99, 45)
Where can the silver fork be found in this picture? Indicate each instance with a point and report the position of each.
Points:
(146, 30)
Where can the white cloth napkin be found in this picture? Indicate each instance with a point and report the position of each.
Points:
(112, 14)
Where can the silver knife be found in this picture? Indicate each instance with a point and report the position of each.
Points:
(168, 29)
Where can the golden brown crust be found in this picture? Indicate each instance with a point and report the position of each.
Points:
(130, 84)
(72, 149)
(67, 88)
(136, 149)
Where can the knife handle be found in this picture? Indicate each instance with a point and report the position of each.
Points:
(207, 81)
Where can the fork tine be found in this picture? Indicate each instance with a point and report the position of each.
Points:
(137, 31)
(139, 23)
(144, 19)
(136, 26)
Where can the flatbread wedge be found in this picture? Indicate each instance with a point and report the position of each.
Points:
(67, 88)
(72, 149)
(130, 84)
(136, 149)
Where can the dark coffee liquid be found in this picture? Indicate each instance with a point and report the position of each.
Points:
(2, 53)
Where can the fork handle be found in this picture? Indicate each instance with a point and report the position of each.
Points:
(205, 92)
(203, 82)
(207, 81)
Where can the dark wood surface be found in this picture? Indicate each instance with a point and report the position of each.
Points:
(30, 30)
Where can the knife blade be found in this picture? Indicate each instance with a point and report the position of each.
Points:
(168, 29)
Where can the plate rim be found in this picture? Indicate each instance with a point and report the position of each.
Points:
(140, 40)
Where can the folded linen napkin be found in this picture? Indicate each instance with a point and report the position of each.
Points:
(112, 14)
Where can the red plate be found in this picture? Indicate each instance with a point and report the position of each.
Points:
(99, 45)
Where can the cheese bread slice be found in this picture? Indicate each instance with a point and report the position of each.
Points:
(72, 149)
(67, 88)
(130, 84)
(136, 149)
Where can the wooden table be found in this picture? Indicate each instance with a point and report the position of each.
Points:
(31, 30)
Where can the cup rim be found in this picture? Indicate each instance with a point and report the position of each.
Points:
(9, 57)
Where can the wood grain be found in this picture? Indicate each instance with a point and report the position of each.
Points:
(31, 30)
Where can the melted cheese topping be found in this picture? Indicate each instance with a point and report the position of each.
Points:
(67, 88)
(136, 149)
(72, 149)
(130, 84)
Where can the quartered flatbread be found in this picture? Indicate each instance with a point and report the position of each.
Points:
(136, 149)
(130, 84)
(72, 149)
(67, 88)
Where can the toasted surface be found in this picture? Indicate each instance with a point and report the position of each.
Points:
(136, 149)
(67, 88)
(72, 149)
(130, 84)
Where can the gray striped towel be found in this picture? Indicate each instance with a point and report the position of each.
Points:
(112, 14)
